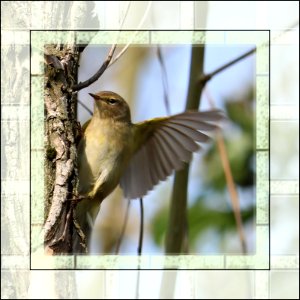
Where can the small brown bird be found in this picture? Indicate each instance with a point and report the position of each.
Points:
(113, 150)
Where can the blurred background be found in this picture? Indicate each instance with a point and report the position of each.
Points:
(142, 79)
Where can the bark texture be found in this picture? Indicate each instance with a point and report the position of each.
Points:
(61, 134)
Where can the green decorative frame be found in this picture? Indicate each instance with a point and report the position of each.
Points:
(260, 260)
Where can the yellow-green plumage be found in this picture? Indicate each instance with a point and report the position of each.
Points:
(113, 150)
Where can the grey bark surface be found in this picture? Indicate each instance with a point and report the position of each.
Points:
(61, 134)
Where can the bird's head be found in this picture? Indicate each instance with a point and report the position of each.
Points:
(111, 105)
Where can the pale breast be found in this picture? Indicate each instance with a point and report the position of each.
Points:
(101, 156)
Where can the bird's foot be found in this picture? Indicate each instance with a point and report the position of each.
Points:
(76, 198)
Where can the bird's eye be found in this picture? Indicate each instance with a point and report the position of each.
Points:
(112, 101)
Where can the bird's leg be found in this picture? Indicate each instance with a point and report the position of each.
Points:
(76, 198)
(63, 236)
(74, 201)
(79, 232)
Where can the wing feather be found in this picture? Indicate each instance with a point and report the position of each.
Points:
(207, 116)
(186, 141)
(157, 159)
(153, 167)
(180, 151)
(189, 132)
(168, 155)
(196, 124)
(165, 144)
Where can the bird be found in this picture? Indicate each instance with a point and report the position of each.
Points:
(113, 151)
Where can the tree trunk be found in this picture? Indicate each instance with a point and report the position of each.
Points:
(61, 135)
(178, 223)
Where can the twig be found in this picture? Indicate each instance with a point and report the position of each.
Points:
(292, 27)
(230, 182)
(206, 77)
(232, 190)
(105, 64)
(118, 56)
(125, 15)
(164, 80)
(141, 228)
(96, 76)
(85, 107)
(123, 228)
(108, 61)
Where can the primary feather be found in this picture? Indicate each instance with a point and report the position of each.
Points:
(165, 144)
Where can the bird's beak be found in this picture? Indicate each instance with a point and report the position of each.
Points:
(96, 97)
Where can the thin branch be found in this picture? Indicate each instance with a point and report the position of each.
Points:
(232, 190)
(164, 80)
(125, 15)
(140, 248)
(96, 76)
(108, 61)
(118, 56)
(290, 28)
(141, 227)
(234, 198)
(105, 64)
(123, 228)
(206, 77)
(85, 107)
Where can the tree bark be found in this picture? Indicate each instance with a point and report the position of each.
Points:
(61, 134)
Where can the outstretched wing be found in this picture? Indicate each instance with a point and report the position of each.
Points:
(164, 144)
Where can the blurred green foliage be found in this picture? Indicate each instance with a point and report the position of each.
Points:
(201, 217)
(240, 146)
